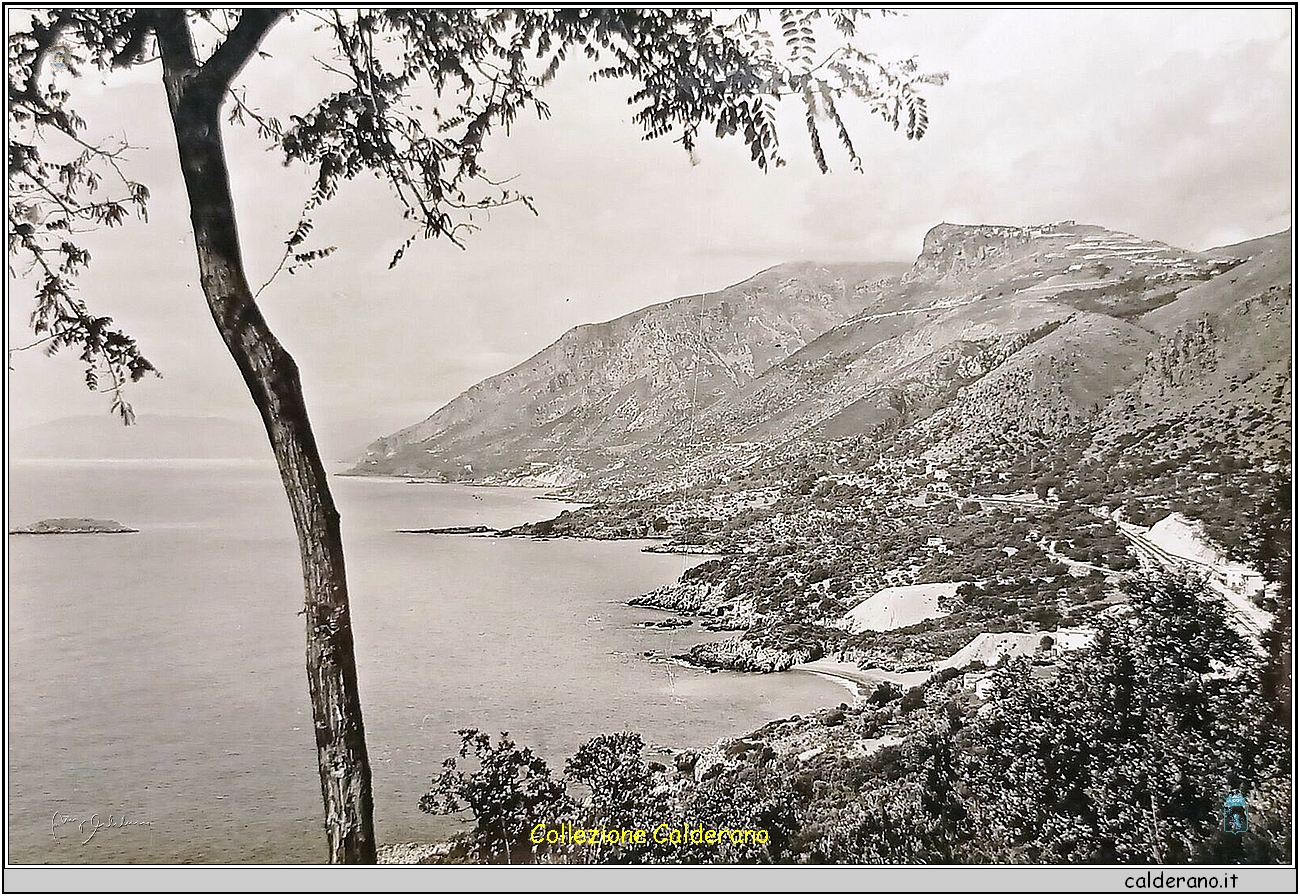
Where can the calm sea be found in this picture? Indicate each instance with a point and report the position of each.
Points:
(158, 677)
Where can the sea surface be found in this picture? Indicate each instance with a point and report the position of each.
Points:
(157, 678)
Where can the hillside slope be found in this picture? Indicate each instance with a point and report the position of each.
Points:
(994, 336)
(1016, 328)
(602, 389)
(996, 341)
(1221, 371)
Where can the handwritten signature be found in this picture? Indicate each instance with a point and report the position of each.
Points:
(90, 826)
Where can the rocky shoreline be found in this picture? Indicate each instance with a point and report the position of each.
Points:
(738, 655)
(688, 599)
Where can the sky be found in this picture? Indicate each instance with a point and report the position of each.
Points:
(1170, 124)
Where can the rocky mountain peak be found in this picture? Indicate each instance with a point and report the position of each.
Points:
(953, 249)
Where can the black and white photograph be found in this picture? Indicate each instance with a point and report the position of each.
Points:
(853, 440)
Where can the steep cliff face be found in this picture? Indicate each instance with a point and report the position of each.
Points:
(602, 389)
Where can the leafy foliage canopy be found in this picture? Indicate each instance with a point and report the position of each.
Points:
(416, 94)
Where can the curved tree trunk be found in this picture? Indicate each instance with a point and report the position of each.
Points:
(272, 379)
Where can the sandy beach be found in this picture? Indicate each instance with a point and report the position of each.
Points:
(861, 681)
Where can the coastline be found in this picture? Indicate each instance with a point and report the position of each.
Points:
(857, 680)
(393, 568)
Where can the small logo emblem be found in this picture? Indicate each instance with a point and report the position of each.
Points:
(59, 57)
(1235, 820)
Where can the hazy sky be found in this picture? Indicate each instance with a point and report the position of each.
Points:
(1171, 124)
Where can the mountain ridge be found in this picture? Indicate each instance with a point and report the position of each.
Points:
(994, 331)
(610, 383)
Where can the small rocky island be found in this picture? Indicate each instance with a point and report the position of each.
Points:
(73, 526)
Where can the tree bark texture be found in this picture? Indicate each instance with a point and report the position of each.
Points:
(195, 98)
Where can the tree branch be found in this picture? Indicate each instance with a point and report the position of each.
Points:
(226, 61)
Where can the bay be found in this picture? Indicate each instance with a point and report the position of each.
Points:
(158, 677)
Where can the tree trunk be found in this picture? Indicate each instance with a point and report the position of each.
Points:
(272, 379)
